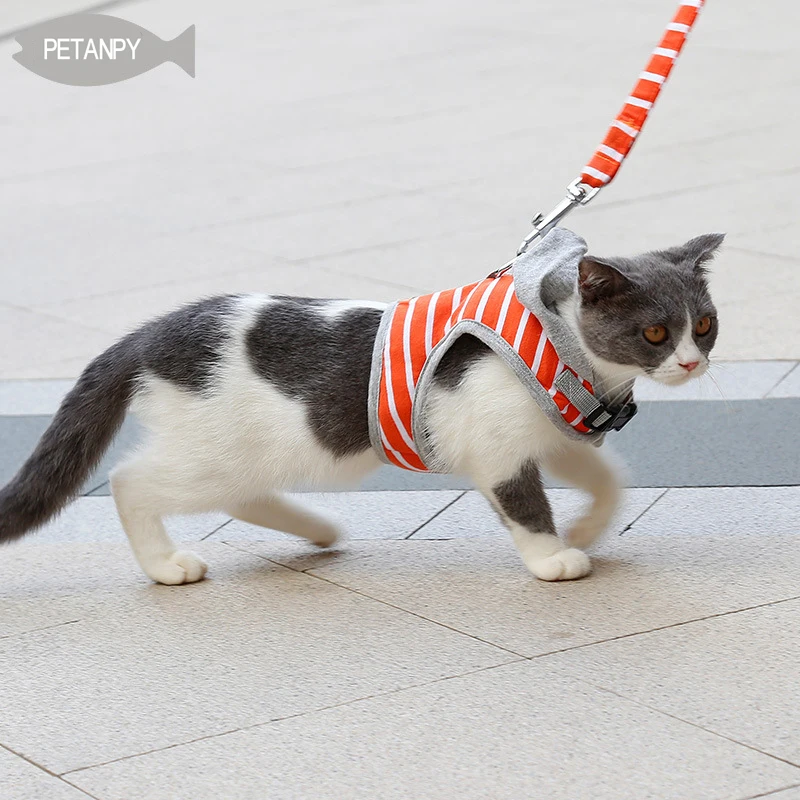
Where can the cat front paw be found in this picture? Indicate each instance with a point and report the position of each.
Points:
(181, 567)
(565, 565)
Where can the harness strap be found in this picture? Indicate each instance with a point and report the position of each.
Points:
(595, 415)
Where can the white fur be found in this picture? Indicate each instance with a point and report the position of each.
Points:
(671, 371)
(240, 447)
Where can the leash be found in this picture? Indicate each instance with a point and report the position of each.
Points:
(619, 140)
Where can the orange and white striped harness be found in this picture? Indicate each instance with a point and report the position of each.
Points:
(416, 333)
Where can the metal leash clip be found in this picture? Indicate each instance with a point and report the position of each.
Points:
(578, 194)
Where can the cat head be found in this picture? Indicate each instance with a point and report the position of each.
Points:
(653, 312)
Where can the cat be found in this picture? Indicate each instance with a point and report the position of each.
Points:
(248, 396)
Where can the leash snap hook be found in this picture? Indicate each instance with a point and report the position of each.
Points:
(578, 194)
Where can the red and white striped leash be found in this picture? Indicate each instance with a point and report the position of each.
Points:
(619, 140)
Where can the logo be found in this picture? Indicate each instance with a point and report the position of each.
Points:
(97, 49)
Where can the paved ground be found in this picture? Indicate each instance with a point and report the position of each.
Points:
(377, 150)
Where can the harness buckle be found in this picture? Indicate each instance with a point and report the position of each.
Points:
(603, 419)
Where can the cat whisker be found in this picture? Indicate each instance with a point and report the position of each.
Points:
(718, 365)
(728, 406)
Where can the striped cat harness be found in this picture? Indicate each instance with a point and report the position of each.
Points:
(535, 343)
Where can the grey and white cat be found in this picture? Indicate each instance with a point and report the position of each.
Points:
(248, 396)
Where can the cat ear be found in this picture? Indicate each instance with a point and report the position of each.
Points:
(598, 280)
(699, 251)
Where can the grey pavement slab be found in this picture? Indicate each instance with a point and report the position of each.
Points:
(472, 515)
(522, 730)
(479, 585)
(361, 515)
(735, 675)
(21, 780)
(681, 443)
(259, 642)
(19, 435)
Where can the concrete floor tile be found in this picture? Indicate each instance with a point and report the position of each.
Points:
(21, 780)
(123, 311)
(193, 189)
(521, 730)
(473, 516)
(479, 585)
(423, 263)
(123, 255)
(39, 338)
(46, 586)
(736, 675)
(789, 386)
(361, 515)
(384, 221)
(723, 511)
(792, 793)
(66, 369)
(731, 380)
(95, 519)
(253, 643)
(32, 397)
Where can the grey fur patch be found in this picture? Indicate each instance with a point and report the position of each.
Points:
(185, 346)
(456, 362)
(620, 297)
(523, 500)
(323, 362)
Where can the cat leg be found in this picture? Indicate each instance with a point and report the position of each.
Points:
(524, 508)
(281, 514)
(583, 466)
(143, 495)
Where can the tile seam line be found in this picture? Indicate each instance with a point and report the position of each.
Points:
(93, 9)
(386, 603)
(696, 725)
(780, 381)
(273, 720)
(44, 769)
(385, 191)
(280, 262)
(664, 627)
(44, 628)
(440, 511)
(772, 792)
(216, 530)
(50, 316)
(649, 508)
(765, 254)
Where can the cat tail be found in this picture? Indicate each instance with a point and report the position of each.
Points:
(73, 444)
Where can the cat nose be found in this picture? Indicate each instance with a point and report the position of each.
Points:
(689, 366)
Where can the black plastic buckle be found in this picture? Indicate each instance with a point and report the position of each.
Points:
(619, 419)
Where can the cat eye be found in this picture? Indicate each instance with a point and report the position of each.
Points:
(656, 334)
(703, 326)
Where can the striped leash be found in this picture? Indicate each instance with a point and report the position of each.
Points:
(608, 157)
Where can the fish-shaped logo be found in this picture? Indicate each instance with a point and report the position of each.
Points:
(98, 49)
